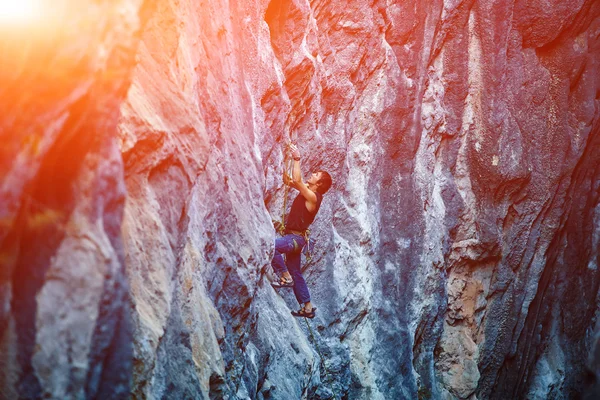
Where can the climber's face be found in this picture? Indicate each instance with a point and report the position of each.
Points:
(314, 179)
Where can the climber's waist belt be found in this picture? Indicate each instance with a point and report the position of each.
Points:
(299, 233)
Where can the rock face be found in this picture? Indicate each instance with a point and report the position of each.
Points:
(65, 327)
(456, 256)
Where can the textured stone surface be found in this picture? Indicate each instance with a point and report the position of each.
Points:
(64, 317)
(456, 255)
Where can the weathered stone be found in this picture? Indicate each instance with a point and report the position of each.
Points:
(64, 315)
(456, 255)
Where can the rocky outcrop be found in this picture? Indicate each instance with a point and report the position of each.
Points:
(64, 318)
(456, 255)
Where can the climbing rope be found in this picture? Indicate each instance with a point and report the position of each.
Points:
(320, 356)
(287, 169)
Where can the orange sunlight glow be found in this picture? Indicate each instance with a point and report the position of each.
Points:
(19, 11)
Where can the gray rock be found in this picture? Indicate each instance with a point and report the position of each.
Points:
(456, 256)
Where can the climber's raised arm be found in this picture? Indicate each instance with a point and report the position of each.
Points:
(298, 183)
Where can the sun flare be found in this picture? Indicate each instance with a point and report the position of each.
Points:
(17, 11)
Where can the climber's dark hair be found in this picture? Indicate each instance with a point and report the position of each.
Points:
(324, 182)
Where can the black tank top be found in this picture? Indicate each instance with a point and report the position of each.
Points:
(300, 218)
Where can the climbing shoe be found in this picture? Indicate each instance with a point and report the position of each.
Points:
(282, 282)
(303, 313)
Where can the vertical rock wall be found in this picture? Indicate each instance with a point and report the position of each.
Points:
(462, 138)
(456, 255)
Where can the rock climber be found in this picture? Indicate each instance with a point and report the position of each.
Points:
(303, 211)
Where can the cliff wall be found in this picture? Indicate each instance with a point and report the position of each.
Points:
(456, 256)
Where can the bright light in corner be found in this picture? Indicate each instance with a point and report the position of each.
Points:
(16, 11)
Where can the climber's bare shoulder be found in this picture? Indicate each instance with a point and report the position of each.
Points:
(308, 194)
